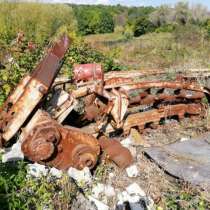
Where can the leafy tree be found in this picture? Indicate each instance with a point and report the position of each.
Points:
(93, 20)
(106, 24)
(199, 14)
(161, 16)
(137, 12)
(143, 26)
(138, 20)
(181, 13)
(206, 26)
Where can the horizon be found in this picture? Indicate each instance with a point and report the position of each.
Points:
(154, 3)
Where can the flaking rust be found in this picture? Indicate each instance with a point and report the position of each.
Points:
(87, 72)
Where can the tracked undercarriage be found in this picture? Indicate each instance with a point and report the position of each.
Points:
(123, 104)
(99, 105)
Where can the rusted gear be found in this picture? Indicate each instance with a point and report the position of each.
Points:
(60, 146)
(40, 144)
(83, 156)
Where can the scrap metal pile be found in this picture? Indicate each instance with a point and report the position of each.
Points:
(64, 123)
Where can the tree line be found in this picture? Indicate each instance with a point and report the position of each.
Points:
(41, 21)
(136, 21)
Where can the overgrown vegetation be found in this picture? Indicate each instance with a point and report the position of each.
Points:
(38, 21)
(19, 191)
(24, 38)
(185, 197)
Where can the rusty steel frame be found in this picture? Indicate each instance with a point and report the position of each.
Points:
(31, 90)
(152, 117)
(140, 120)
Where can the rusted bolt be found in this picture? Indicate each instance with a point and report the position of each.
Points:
(42, 90)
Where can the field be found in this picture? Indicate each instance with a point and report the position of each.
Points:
(179, 50)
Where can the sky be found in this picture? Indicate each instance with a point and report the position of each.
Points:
(133, 2)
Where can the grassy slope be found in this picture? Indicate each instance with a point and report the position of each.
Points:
(155, 50)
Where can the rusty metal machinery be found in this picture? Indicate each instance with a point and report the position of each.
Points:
(50, 143)
(87, 72)
(30, 91)
(43, 139)
(116, 152)
(99, 105)
(125, 103)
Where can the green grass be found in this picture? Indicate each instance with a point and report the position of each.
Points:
(17, 191)
(185, 200)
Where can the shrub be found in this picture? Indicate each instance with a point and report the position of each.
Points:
(165, 28)
(207, 27)
(38, 21)
(161, 16)
(81, 53)
(188, 35)
(21, 62)
(19, 192)
(143, 26)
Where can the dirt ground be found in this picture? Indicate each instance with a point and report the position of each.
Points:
(166, 191)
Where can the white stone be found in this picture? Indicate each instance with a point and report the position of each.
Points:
(97, 190)
(80, 175)
(134, 189)
(184, 139)
(111, 175)
(133, 151)
(126, 142)
(134, 199)
(56, 173)
(132, 171)
(151, 205)
(13, 154)
(133, 194)
(10, 59)
(122, 197)
(109, 191)
(100, 205)
(2, 150)
(37, 170)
